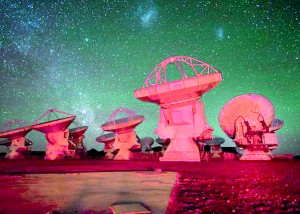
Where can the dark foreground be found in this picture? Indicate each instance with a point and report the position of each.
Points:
(205, 187)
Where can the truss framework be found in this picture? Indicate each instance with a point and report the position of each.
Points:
(159, 74)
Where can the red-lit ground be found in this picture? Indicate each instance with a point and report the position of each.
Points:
(207, 187)
(241, 187)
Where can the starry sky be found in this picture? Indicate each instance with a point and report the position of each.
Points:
(87, 57)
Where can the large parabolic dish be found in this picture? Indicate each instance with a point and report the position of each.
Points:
(182, 118)
(248, 106)
(106, 138)
(123, 124)
(250, 121)
(78, 131)
(54, 125)
(15, 129)
(189, 88)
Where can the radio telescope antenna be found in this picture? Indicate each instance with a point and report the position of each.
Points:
(56, 132)
(108, 139)
(182, 118)
(76, 138)
(249, 119)
(125, 136)
(15, 131)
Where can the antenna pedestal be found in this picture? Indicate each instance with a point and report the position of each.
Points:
(109, 149)
(181, 149)
(215, 148)
(17, 149)
(182, 124)
(256, 144)
(164, 146)
(109, 153)
(57, 145)
(255, 155)
(216, 151)
(79, 149)
(78, 141)
(124, 142)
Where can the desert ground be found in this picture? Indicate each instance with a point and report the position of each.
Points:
(92, 186)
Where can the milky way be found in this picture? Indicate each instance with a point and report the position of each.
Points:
(87, 57)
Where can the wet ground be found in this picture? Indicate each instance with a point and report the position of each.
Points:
(205, 187)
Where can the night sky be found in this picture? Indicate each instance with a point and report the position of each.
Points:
(87, 58)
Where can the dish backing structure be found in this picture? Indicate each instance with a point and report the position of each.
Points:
(181, 119)
(125, 138)
(250, 121)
